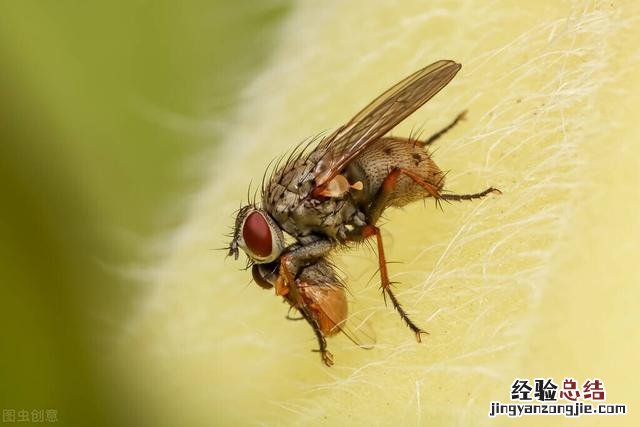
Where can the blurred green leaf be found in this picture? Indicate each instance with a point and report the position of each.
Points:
(90, 168)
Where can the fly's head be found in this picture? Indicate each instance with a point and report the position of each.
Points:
(257, 234)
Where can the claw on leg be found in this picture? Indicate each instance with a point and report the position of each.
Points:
(418, 331)
(326, 356)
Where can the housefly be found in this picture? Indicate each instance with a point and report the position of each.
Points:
(332, 195)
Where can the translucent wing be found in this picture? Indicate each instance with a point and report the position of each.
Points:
(327, 305)
(379, 117)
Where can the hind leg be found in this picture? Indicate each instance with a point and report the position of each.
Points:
(446, 129)
(432, 138)
(458, 197)
(389, 185)
(378, 206)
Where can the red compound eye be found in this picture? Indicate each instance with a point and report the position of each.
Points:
(257, 235)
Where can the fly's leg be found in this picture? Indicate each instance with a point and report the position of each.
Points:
(290, 317)
(446, 129)
(292, 261)
(370, 230)
(458, 197)
(389, 184)
(325, 355)
(378, 206)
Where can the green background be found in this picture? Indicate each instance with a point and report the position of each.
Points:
(104, 108)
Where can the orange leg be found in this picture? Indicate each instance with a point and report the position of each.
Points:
(431, 188)
(378, 206)
(285, 286)
(290, 264)
(371, 230)
(389, 185)
(285, 283)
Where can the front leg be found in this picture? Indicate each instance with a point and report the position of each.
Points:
(295, 258)
(325, 355)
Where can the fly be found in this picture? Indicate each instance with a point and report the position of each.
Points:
(332, 196)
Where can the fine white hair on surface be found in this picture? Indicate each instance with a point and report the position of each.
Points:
(472, 274)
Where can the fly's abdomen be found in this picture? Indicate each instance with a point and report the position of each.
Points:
(375, 163)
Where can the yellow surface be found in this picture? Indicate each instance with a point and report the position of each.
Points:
(541, 281)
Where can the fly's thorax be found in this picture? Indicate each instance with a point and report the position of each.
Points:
(286, 190)
(331, 217)
(300, 215)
